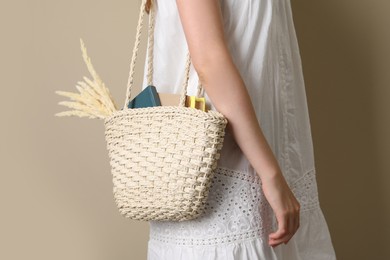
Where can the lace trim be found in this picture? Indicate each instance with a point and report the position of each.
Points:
(236, 210)
(304, 188)
(210, 241)
(306, 192)
(254, 178)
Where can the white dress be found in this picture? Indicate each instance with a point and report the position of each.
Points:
(262, 41)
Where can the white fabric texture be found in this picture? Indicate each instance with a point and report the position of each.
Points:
(262, 40)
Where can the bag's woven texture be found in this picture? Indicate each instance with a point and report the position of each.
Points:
(162, 158)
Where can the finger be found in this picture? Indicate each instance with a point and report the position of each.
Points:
(279, 234)
(283, 225)
(292, 221)
(296, 219)
(276, 242)
(282, 229)
(295, 224)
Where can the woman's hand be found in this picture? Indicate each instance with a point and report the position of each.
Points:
(285, 206)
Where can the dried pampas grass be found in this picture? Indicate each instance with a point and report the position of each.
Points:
(94, 99)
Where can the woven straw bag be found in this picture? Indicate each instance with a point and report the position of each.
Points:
(162, 158)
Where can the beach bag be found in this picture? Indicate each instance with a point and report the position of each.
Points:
(162, 158)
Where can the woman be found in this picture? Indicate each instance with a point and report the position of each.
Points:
(263, 202)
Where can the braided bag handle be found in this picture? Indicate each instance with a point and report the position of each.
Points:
(130, 81)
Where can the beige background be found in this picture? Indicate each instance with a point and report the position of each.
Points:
(55, 187)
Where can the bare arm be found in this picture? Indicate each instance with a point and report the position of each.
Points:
(203, 28)
(222, 81)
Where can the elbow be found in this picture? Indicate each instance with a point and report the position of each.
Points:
(205, 60)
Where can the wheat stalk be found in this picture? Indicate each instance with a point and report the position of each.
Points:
(94, 99)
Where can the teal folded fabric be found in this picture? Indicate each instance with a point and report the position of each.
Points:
(148, 97)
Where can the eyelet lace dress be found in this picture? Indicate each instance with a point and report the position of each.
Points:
(261, 37)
